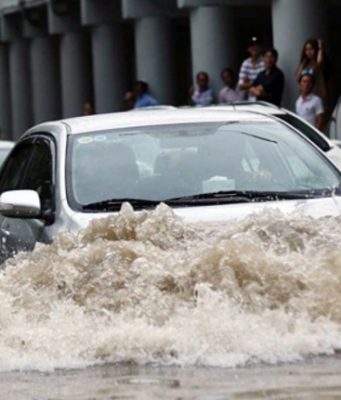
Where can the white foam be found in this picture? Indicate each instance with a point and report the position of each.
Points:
(147, 288)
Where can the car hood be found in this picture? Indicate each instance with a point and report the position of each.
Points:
(315, 208)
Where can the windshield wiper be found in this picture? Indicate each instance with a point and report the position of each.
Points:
(220, 197)
(115, 204)
(240, 196)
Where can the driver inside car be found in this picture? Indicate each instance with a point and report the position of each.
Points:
(228, 167)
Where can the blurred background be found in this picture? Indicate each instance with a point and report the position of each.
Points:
(58, 55)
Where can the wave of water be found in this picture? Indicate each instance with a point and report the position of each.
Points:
(147, 288)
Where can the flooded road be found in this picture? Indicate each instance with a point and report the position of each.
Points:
(314, 380)
(143, 306)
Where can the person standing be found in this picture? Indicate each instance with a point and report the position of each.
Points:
(308, 105)
(251, 67)
(88, 108)
(142, 96)
(314, 61)
(269, 84)
(202, 95)
(129, 100)
(230, 92)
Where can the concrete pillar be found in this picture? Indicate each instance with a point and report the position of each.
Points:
(109, 68)
(5, 107)
(45, 79)
(213, 44)
(76, 76)
(155, 56)
(20, 83)
(295, 21)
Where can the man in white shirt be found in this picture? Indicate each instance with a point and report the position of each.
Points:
(308, 105)
(230, 92)
(251, 67)
(202, 94)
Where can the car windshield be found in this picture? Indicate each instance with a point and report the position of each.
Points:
(193, 161)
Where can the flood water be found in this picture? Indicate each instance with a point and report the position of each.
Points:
(314, 380)
(143, 306)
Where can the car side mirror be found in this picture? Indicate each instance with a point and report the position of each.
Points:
(20, 204)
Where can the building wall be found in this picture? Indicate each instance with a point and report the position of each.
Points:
(334, 46)
(56, 55)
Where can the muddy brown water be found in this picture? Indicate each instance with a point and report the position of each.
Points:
(143, 306)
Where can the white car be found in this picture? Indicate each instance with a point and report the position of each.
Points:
(331, 149)
(208, 166)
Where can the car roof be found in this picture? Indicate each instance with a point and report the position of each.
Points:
(261, 107)
(148, 117)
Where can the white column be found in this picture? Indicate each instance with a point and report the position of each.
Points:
(76, 76)
(20, 83)
(213, 42)
(109, 68)
(155, 56)
(5, 107)
(295, 21)
(45, 79)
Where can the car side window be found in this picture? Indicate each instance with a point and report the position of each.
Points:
(16, 167)
(40, 174)
(308, 131)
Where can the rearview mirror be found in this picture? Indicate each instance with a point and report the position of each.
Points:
(20, 204)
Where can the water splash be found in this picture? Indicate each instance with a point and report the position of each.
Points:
(147, 288)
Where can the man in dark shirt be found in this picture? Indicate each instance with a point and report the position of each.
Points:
(269, 84)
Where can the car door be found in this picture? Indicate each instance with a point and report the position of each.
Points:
(30, 166)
